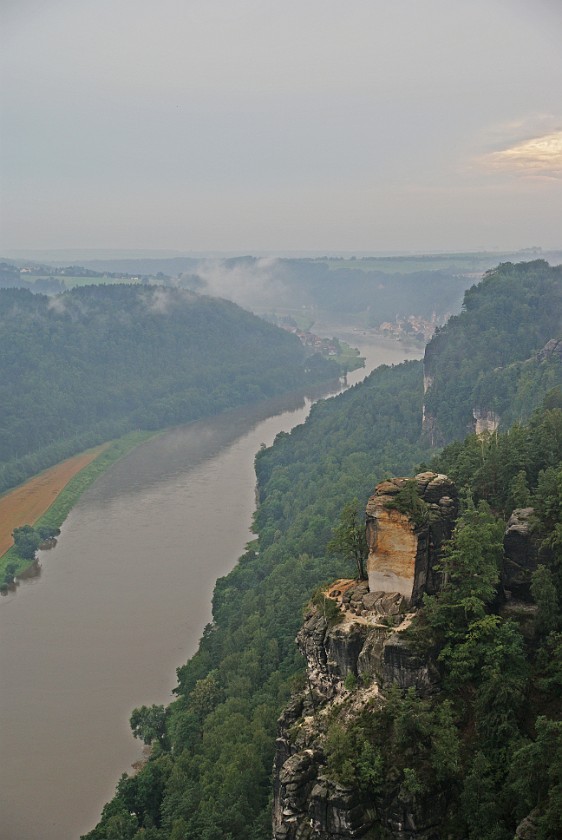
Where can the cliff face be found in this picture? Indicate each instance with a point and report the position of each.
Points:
(521, 550)
(404, 551)
(366, 648)
(475, 373)
(499, 395)
(485, 420)
(355, 640)
(359, 658)
(430, 428)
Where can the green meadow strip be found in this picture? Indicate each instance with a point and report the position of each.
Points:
(55, 515)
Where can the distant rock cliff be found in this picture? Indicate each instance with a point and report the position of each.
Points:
(485, 420)
(497, 396)
(485, 366)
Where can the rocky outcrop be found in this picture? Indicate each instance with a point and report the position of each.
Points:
(521, 554)
(551, 350)
(336, 811)
(485, 420)
(331, 652)
(405, 547)
(403, 667)
(428, 422)
(363, 642)
(528, 828)
(356, 651)
(430, 427)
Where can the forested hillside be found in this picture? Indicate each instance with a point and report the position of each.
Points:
(496, 632)
(468, 363)
(99, 361)
(449, 725)
(356, 290)
(210, 769)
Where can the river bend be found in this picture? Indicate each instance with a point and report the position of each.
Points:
(120, 603)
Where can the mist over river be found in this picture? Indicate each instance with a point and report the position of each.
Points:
(120, 603)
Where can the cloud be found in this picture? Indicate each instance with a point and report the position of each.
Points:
(248, 282)
(57, 304)
(540, 156)
(162, 300)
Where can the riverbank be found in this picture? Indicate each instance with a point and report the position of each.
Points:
(121, 603)
(47, 498)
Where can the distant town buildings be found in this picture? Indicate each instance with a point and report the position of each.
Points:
(413, 326)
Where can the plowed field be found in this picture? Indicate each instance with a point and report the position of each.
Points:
(27, 503)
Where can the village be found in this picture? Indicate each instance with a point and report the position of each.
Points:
(412, 326)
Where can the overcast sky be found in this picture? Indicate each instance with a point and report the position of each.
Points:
(278, 125)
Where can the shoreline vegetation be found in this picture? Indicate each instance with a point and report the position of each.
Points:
(105, 362)
(55, 513)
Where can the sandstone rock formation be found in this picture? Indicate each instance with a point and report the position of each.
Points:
(354, 638)
(552, 349)
(429, 423)
(404, 548)
(521, 555)
(485, 420)
(366, 645)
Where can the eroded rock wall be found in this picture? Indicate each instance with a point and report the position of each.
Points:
(354, 655)
(392, 549)
(403, 552)
(368, 644)
(485, 420)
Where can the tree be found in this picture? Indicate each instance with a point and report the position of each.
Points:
(543, 590)
(26, 540)
(348, 538)
(471, 564)
(519, 495)
(149, 723)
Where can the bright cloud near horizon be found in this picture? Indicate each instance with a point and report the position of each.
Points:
(538, 156)
(277, 126)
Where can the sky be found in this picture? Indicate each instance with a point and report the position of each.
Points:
(270, 126)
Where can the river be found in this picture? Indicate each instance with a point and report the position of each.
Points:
(120, 603)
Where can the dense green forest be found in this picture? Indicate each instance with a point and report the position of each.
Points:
(513, 391)
(497, 720)
(508, 318)
(96, 362)
(484, 750)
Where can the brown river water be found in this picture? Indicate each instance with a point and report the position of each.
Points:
(120, 603)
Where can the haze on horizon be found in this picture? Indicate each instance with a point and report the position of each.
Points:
(261, 125)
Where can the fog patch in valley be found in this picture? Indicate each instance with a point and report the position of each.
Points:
(252, 282)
